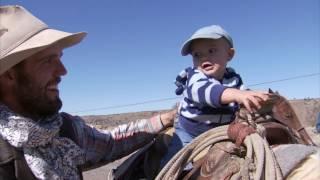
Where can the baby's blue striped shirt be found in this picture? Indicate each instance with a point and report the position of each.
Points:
(201, 97)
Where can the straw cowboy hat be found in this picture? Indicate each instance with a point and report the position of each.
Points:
(22, 35)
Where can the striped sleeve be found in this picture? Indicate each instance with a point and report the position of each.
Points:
(204, 91)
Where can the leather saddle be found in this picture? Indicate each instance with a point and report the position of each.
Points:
(224, 159)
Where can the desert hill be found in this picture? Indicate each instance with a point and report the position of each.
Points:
(306, 109)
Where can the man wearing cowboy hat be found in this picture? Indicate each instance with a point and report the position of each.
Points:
(36, 141)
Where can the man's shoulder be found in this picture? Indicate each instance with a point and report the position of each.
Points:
(72, 126)
(70, 118)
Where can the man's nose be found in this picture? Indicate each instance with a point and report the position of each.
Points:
(60, 68)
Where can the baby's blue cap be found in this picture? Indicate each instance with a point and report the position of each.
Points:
(208, 32)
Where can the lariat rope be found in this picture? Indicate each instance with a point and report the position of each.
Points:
(261, 162)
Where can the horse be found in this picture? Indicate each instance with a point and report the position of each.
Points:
(253, 146)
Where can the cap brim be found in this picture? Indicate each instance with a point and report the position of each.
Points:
(185, 50)
(37, 43)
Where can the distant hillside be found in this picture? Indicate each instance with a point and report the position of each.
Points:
(306, 109)
(107, 121)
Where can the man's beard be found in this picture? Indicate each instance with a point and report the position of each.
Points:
(34, 100)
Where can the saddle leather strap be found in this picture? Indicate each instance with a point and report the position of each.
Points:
(285, 114)
(238, 131)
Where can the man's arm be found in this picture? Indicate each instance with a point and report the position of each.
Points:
(102, 147)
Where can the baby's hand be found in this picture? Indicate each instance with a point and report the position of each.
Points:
(252, 100)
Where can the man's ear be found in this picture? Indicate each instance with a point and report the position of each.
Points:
(6, 79)
(231, 53)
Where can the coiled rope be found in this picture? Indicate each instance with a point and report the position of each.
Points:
(260, 162)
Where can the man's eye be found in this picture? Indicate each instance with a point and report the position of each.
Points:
(50, 60)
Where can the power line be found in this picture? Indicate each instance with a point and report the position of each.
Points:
(128, 105)
(286, 79)
(172, 98)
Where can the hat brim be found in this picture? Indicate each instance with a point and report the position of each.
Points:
(185, 50)
(38, 42)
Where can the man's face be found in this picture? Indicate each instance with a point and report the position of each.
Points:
(37, 79)
(211, 56)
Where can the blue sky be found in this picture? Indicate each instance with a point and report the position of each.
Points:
(132, 51)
